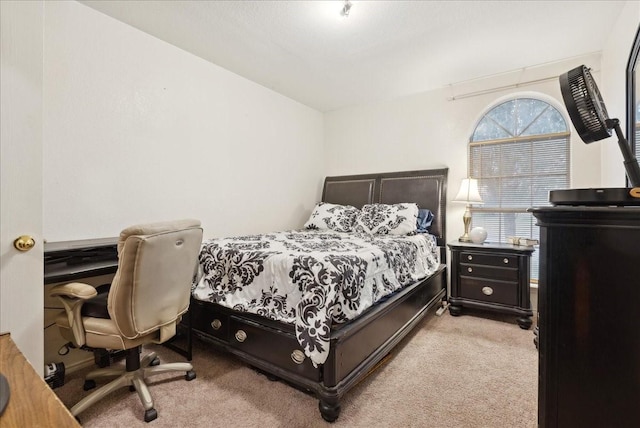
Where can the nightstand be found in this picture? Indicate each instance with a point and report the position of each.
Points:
(491, 276)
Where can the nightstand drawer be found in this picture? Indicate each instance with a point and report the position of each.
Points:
(502, 292)
(489, 259)
(489, 272)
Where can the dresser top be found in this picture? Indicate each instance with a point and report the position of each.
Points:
(587, 216)
(631, 210)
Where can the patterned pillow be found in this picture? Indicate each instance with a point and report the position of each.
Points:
(326, 216)
(383, 219)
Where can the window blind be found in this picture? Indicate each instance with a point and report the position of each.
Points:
(637, 141)
(513, 175)
(519, 151)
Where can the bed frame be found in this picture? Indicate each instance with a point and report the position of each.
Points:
(356, 347)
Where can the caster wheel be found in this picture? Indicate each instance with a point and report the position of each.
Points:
(132, 388)
(150, 415)
(155, 362)
(89, 384)
(191, 375)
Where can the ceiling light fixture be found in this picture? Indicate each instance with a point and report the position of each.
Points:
(346, 9)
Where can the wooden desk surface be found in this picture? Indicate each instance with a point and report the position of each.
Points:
(31, 403)
(80, 244)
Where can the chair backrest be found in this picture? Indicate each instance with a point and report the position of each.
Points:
(152, 286)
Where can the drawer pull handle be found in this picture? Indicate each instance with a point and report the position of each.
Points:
(216, 324)
(488, 291)
(470, 257)
(506, 261)
(241, 336)
(297, 356)
(470, 270)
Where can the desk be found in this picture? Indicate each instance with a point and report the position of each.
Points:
(92, 261)
(67, 261)
(31, 403)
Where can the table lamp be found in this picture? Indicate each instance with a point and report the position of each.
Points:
(469, 195)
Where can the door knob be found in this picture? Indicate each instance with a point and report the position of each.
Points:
(24, 243)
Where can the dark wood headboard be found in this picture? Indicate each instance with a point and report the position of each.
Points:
(427, 188)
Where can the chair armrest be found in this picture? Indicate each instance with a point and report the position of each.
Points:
(72, 296)
(76, 290)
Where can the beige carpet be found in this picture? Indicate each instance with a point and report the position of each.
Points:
(468, 371)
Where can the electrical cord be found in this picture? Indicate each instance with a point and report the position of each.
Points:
(64, 349)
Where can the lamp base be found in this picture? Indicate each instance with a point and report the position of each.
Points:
(466, 218)
(464, 238)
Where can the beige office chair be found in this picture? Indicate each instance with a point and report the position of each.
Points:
(147, 297)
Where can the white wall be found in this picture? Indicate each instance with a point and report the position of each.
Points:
(137, 130)
(613, 87)
(429, 130)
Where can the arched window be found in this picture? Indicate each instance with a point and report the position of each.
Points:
(519, 151)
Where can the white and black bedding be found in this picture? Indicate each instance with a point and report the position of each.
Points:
(312, 278)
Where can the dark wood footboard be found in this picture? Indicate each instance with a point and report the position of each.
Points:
(355, 347)
(380, 329)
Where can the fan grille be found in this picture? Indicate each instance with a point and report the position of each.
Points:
(584, 104)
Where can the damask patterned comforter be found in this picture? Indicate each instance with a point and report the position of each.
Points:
(311, 278)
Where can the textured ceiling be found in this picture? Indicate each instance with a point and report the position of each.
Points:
(384, 49)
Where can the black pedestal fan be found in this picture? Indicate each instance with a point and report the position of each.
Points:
(589, 116)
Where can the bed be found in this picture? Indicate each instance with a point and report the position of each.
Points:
(330, 351)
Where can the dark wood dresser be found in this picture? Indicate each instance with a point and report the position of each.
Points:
(491, 276)
(589, 317)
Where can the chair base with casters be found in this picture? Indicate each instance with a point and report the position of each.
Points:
(133, 376)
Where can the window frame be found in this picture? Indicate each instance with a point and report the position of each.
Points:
(564, 135)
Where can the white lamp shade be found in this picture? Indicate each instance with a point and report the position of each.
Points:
(469, 192)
